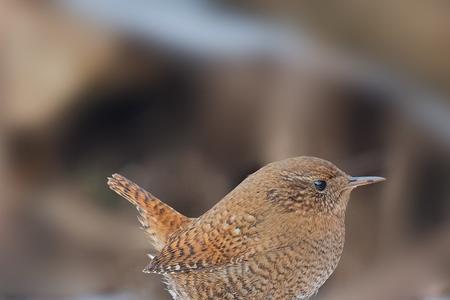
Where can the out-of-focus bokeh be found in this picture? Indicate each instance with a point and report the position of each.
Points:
(189, 97)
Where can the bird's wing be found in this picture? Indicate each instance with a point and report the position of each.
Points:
(157, 218)
(207, 244)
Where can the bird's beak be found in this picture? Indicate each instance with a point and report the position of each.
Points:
(363, 180)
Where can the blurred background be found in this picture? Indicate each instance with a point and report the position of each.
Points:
(187, 98)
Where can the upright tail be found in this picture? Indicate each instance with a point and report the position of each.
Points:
(157, 218)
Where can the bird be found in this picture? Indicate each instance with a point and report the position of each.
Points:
(278, 235)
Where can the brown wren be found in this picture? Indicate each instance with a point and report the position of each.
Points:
(278, 235)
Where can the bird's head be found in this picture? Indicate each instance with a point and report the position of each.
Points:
(309, 184)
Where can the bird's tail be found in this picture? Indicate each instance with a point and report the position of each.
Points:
(157, 218)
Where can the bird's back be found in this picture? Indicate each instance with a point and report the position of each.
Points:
(293, 271)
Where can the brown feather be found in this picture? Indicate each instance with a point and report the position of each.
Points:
(157, 218)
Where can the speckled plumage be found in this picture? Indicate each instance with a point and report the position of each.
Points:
(275, 236)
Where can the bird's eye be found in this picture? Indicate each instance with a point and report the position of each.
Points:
(320, 185)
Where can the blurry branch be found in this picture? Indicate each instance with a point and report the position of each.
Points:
(201, 31)
(192, 27)
(279, 125)
(395, 201)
